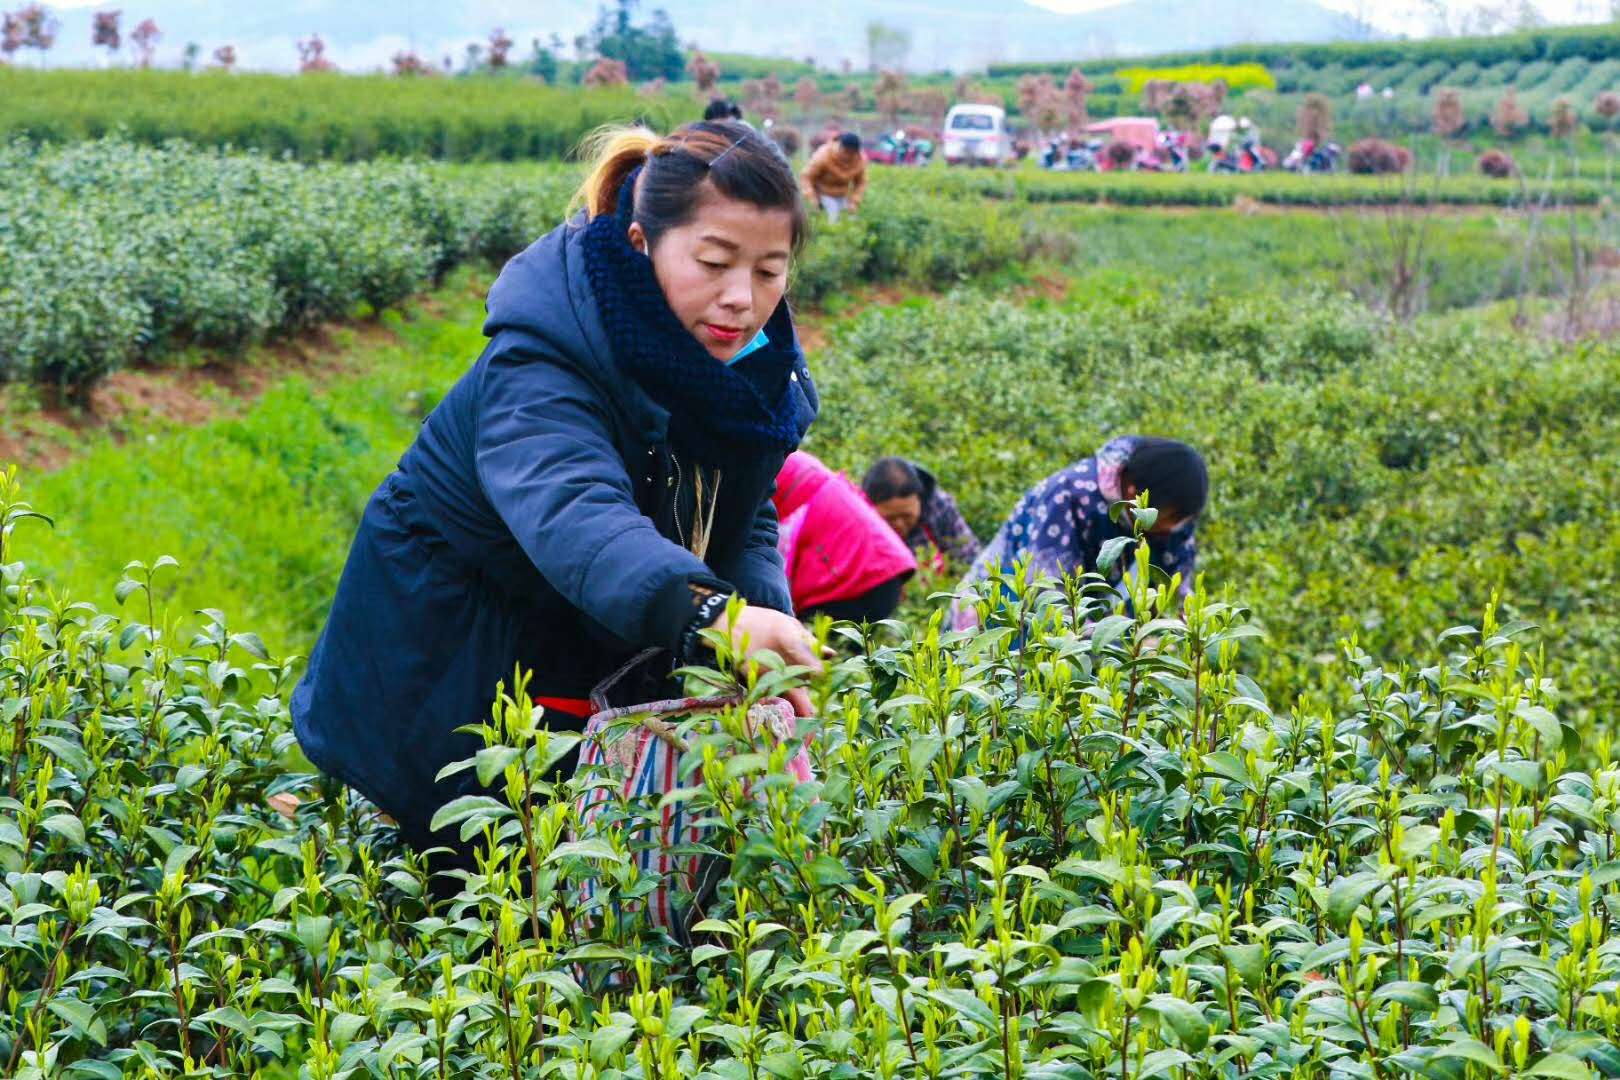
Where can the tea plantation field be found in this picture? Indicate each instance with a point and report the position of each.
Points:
(1348, 812)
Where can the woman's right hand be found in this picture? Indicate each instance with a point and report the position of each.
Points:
(762, 629)
(782, 634)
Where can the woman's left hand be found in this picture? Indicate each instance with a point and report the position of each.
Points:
(799, 698)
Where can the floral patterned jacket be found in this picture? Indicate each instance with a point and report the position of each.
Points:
(1061, 524)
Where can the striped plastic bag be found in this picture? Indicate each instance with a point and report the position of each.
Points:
(643, 763)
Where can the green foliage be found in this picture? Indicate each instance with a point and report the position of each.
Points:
(1548, 43)
(648, 51)
(738, 67)
(342, 117)
(1202, 189)
(1075, 844)
(909, 236)
(1364, 480)
(117, 253)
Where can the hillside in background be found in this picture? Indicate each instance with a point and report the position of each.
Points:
(957, 34)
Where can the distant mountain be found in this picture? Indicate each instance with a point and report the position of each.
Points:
(957, 34)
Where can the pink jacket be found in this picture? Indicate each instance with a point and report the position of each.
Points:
(835, 546)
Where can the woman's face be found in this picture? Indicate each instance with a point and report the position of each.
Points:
(1169, 519)
(901, 512)
(723, 272)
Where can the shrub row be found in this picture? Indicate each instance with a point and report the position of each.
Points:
(341, 117)
(1032, 852)
(1553, 43)
(1365, 480)
(1203, 189)
(117, 253)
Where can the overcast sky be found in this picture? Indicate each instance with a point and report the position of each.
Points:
(1414, 16)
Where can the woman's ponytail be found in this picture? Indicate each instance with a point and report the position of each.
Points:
(724, 156)
(613, 152)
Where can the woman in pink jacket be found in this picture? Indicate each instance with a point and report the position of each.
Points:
(842, 558)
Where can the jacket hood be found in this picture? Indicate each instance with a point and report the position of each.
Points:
(542, 292)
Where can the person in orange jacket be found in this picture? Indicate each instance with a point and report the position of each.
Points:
(835, 177)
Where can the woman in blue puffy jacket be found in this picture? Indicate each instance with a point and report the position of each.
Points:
(597, 484)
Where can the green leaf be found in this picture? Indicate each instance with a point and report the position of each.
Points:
(1469, 1049)
(1228, 766)
(1545, 723)
(1418, 840)
(1347, 894)
(1526, 774)
(786, 1065)
(825, 869)
(67, 826)
(608, 1041)
(80, 1017)
(68, 753)
(1417, 996)
(1111, 550)
(590, 848)
(491, 762)
(966, 1003)
(1184, 1019)
(1249, 962)
(921, 752)
(465, 807)
(1560, 1065)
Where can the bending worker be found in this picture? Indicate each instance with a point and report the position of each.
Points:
(835, 176)
(598, 483)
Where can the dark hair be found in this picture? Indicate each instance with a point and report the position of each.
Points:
(1172, 473)
(722, 109)
(849, 141)
(891, 478)
(738, 161)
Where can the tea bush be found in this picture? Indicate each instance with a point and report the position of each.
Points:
(1075, 844)
(119, 253)
(1364, 479)
(314, 117)
(1201, 189)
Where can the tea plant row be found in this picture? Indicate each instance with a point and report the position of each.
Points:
(1366, 479)
(118, 254)
(1078, 843)
(1281, 189)
(312, 117)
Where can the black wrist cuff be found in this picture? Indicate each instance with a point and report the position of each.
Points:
(703, 617)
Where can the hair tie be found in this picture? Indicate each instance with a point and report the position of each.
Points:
(625, 207)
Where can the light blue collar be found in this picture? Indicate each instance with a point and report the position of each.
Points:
(759, 342)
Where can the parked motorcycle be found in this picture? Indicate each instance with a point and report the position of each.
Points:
(1170, 154)
(1309, 156)
(1238, 156)
(898, 149)
(1071, 155)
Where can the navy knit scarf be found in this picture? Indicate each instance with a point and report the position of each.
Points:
(717, 411)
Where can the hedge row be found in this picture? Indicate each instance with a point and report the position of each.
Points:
(1364, 479)
(118, 253)
(1202, 189)
(1599, 42)
(340, 117)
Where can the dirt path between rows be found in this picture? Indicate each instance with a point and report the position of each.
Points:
(41, 431)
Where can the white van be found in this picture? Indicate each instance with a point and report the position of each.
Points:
(977, 135)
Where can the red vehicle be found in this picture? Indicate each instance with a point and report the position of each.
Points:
(898, 148)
